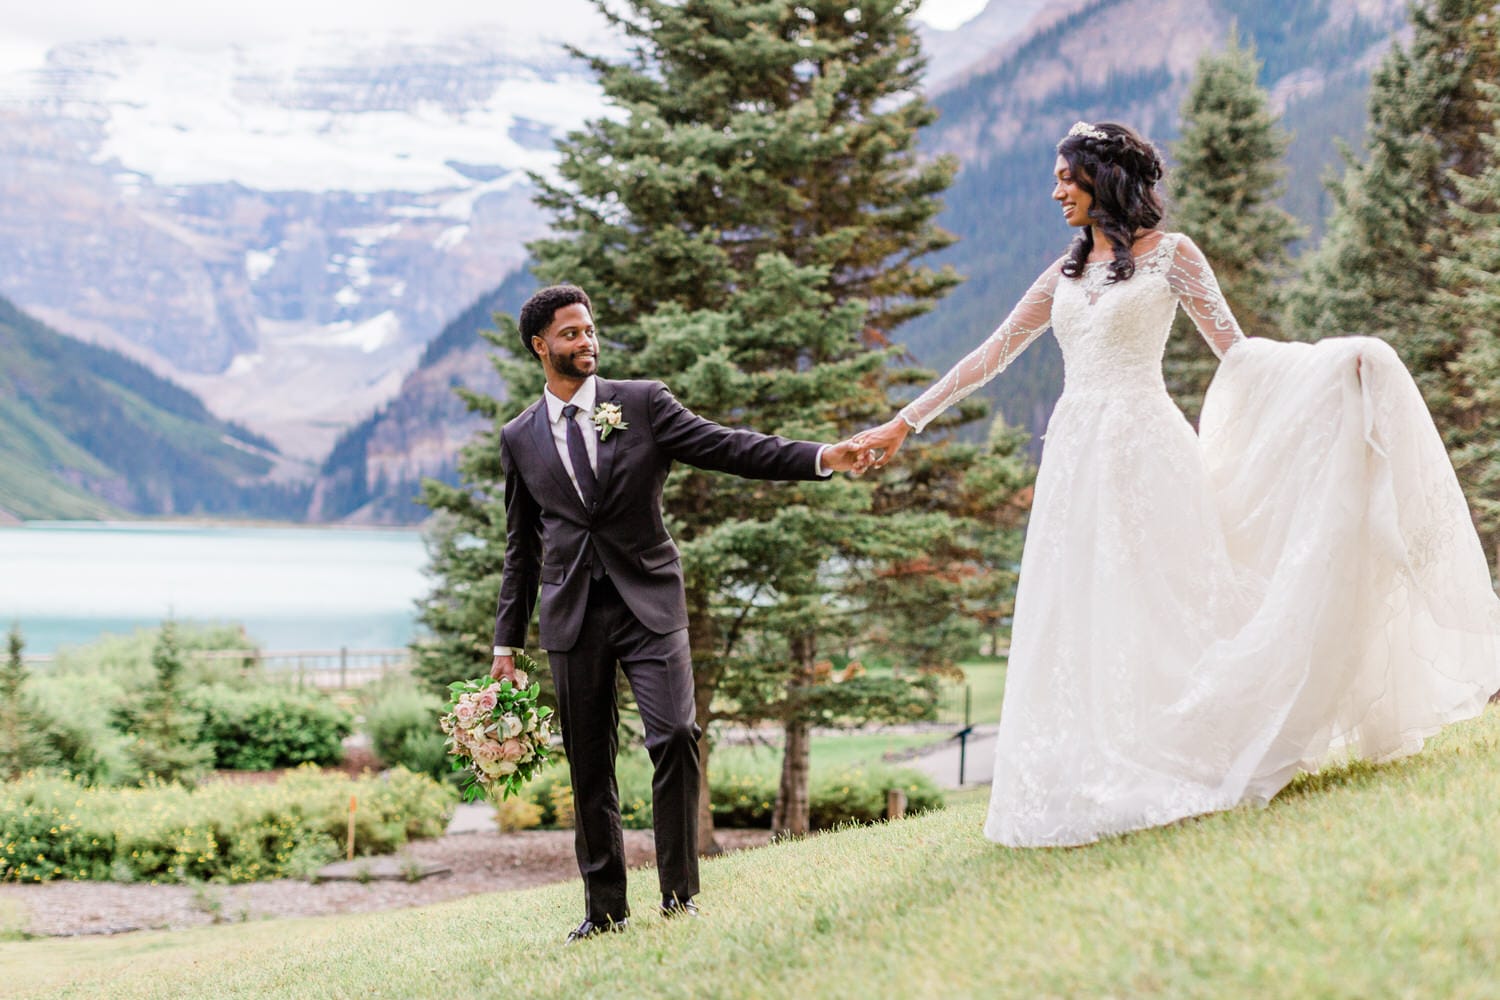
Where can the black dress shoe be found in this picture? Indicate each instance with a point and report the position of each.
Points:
(678, 908)
(588, 929)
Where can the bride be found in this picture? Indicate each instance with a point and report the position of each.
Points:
(1202, 616)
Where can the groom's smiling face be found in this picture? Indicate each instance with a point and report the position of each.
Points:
(570, 344)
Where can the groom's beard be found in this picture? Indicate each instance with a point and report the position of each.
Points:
(580, 365)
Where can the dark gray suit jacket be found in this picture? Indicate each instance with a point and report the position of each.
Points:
(548, 531)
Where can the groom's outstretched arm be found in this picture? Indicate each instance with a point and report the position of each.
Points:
(690, 438)
(521, 577)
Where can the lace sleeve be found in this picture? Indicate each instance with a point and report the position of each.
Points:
(1027, 321)
(1197, 290)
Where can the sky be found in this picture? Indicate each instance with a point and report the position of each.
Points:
(30, 24)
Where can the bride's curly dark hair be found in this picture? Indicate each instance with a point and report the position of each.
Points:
(1120, 171)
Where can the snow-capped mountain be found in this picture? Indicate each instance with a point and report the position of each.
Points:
(283, 221)
(281, 225)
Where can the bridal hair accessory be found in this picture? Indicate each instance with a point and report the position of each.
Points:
(1086, 130)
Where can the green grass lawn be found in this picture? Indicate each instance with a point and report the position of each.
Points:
(829, 753)
(1361, 882)
(985, 680)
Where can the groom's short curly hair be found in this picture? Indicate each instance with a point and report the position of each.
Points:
(536, 314)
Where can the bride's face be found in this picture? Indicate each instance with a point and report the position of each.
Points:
(1070, 194)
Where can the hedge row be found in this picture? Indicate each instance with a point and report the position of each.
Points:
(739, 799)
(54, 828)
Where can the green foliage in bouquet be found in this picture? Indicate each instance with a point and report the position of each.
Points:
(498, 734)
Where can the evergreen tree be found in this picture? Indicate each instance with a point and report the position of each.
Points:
(1468, 299)
(748, 228)
(165, 732)
(24, 745)
(1375, 272)
(1223, 189)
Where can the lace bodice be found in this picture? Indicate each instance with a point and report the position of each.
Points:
(1112, 335)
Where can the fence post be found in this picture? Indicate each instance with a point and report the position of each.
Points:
(895, 803)
(343, 668)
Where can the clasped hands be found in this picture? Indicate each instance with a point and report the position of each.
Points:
(871, 449)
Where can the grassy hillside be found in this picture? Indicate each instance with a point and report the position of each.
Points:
(1361, 882)
(86, 432)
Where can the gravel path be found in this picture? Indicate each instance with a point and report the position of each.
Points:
(479, 862)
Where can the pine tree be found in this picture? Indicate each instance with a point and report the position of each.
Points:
(748, 228)
(1224, 187)
(165, 731)
(1375, 272)
(24, 743)
(1468, 300)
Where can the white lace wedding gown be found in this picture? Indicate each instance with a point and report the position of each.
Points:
(1202, 616)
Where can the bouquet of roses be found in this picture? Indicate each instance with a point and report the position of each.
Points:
(497, 732)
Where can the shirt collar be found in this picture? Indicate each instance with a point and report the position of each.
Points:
(583, 399)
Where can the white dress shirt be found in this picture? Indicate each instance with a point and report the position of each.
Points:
(584, 418)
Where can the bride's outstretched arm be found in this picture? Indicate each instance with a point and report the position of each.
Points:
(1027, 321)
(1197, 290)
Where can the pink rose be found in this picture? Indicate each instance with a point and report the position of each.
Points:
(510, 726)
(487, 700)
(466, 711)
(512, 750)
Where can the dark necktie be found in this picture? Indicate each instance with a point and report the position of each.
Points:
(579, 453)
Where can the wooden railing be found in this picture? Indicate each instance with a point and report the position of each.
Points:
(328, 669)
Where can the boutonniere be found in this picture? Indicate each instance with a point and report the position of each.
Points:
(608, 418)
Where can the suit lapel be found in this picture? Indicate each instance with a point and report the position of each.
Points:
(546, 448)
(605, 392)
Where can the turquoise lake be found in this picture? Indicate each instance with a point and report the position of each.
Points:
(291, 587)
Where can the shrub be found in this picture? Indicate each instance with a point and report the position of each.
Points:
(559, 804)
(55, 828)
(260, 728)
(402, 720)
(88, 749)
(517, 813)
(857, 795)
(125, 661)
(745, 798)
(741, 800)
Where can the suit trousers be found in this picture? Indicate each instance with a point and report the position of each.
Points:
(660, 671)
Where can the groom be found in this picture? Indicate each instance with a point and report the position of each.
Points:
(584, 468)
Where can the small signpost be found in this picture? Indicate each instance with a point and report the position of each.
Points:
(963, 745)
(963, 734)
(353, 805)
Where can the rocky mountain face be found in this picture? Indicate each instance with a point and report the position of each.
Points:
(281, 227)
(1028, 71)
(374, 474)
